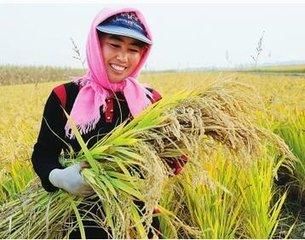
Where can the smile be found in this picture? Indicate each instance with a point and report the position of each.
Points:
(117, 68)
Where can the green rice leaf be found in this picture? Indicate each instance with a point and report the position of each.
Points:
(81, 142)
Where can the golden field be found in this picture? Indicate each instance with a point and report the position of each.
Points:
(282, 102)
(22, 104)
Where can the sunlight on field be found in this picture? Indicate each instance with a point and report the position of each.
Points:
(282, 99)
(20, 118)
(22, 105)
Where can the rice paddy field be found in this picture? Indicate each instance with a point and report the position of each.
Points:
(246, 172)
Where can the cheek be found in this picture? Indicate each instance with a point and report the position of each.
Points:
(105, 53)
(136, 60)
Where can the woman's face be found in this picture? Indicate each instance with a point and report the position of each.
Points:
(121, 55)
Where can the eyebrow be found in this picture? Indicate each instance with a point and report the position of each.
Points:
(116, 37)
(134, 41)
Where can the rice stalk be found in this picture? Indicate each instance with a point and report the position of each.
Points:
(293, 133)
(261, 207)
(12, 182)
(206, 194)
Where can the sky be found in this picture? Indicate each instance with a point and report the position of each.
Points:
(190, 34)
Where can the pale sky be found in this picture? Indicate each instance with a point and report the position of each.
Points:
(186, 35)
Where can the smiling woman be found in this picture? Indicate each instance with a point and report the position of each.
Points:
(107, 95)
(123, 40)
(121, 55)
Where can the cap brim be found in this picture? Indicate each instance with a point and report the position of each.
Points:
(110, 29)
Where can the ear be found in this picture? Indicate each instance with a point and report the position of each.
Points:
(144, 50)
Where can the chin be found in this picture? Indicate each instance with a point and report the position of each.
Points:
(116, 80)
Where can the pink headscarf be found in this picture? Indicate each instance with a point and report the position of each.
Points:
(96, 85)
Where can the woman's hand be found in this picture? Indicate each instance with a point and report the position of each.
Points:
(71, 180)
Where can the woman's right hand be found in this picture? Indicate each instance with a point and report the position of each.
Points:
(71, 180)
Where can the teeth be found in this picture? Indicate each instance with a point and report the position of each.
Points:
(118, 68)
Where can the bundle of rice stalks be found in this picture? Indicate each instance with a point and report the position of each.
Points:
(223, 197)
(209, 202)
(129, 167)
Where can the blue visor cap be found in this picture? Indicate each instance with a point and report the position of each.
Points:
(125, 24)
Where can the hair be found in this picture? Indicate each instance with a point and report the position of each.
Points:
(137, 42)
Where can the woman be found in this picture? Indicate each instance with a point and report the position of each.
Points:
(118, 45)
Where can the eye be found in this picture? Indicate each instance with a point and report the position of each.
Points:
(114, 45)
(134, 50)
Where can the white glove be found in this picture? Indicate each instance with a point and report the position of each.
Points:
(70, 180)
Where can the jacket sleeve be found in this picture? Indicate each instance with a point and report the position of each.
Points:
(48, 147)
(177, 164)
(154, 95)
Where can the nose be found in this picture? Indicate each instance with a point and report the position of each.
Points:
(122, 56)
